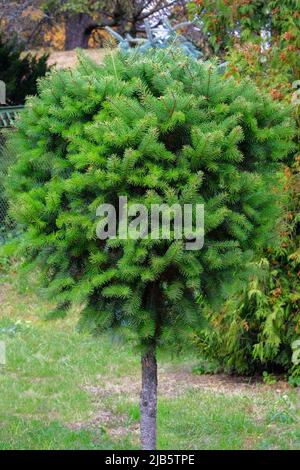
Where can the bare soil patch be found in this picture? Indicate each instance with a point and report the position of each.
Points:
(3, 289)
(68, 59)
(174, 383)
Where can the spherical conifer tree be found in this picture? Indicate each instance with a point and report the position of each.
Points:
(159, 129)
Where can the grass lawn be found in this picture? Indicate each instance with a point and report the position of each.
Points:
(61, 389)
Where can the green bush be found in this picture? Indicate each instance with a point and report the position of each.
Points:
(159, 130)
(257, 330)
(19, 71)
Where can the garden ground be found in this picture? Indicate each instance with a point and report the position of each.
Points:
(65, 389)
(68, 59)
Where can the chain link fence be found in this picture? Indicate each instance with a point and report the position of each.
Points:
(7, 156)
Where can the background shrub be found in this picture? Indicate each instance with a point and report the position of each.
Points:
(20, 72)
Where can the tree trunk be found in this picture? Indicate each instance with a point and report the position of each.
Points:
(148, 401)
(78, 27)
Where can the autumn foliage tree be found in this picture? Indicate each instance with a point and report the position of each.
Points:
(72, 23)
(260, 39)
(81, 17)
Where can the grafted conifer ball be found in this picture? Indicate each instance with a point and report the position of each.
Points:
(159, 128)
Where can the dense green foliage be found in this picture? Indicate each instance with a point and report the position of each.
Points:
(19, 72)
(20, 75)
(257, 330)
(158, 129)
